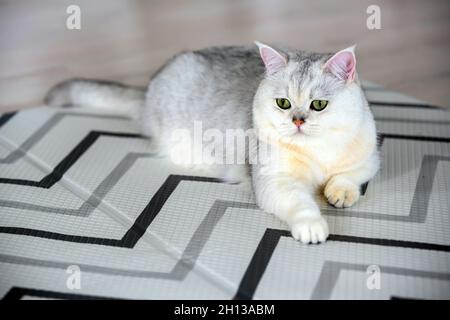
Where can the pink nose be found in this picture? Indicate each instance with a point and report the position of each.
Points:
(298, 122)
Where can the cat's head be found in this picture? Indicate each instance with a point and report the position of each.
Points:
(307, 96)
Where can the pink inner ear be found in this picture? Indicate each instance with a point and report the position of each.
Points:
(273, 60)
(342, 65)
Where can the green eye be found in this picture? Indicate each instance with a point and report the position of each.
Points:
(283, 103)
(319, 105)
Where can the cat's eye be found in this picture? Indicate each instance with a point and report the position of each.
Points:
(318, 105)
(283, 103)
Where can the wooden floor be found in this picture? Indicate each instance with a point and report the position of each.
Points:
(128, 40)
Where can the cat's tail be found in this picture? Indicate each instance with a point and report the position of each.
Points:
(102, 95)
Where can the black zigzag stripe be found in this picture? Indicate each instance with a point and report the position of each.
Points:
(65, 164)
(402, 104)
(269, 242)
(397, 298)
(383, 136)
(6, 117)
(132, 236)
(17, 293)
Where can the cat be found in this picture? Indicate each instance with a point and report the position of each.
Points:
(308, 108)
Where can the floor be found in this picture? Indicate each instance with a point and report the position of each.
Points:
(127, 41)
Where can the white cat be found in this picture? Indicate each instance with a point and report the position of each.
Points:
(307, 108)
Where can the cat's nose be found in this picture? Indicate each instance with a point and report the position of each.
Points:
(298, 121)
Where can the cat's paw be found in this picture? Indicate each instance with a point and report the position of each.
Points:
(310, 229)
(341, 193)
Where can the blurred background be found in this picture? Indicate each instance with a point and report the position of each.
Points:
(128, 40)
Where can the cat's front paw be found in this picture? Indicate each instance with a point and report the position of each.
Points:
(310, 229)
(341, 193)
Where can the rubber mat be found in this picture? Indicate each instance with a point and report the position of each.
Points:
(86, 211)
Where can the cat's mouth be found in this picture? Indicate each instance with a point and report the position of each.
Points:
(296, 131)
(299, 129)
(289, 129)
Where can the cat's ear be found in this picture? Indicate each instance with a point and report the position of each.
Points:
(343, 64)
(273, 60)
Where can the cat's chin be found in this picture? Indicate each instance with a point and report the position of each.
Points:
(291, 133)
(299, 133)
(298, 138)
(302, 138)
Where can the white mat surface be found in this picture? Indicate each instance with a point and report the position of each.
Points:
(82, 189)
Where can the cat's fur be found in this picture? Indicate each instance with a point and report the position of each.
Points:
(235, 88)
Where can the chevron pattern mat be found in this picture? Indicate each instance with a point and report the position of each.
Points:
(87, 212)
